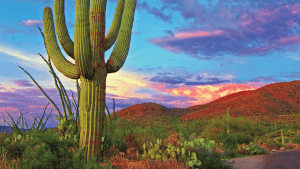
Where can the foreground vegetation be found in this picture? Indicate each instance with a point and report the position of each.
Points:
(196, 146)
(44, 149)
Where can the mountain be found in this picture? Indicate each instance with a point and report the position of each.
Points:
(278, 98)
(8, 129)
(151, 109)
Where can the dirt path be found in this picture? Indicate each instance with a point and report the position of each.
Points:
(289, 159)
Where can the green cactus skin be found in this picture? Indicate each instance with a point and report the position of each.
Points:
(160, 152)
(88, 50)
(282, 136)
(228, 116)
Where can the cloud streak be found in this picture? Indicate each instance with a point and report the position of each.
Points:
(235, 31)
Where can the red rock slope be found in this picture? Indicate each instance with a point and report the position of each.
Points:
(278, 98)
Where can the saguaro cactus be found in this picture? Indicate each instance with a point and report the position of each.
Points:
(228, 116)
(88, 50)
(282, 138)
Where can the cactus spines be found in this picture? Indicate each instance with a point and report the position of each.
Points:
(88, 50)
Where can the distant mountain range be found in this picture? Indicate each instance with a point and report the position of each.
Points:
(278, 98)
(9, 129)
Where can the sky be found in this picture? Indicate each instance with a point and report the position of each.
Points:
(182, 53)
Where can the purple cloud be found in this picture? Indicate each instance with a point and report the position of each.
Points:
(246, 29)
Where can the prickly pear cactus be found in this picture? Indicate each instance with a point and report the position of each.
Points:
(160, 152)
(191, 161)
(169, 151)
(200, 142)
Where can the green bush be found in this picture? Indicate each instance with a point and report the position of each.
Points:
(279, 139)
(230, 141)
(46, 150)
(43, 149)
(244, 139)
(230, 153)
(254, 149)
(296, 139)
(209, 159)
(278, 144)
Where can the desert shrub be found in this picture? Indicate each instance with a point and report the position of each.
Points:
(296, 139)
(185, 132)
(176, 123)
(46, 151)
(230, 140)
(130, 141)
(230, 153)
(215, 130)
(159, 132)
(251, 149)
(118, 143)
(254, 149)
(271, 135)
(246, 139)
(278, 144)
(279, 139)
(110, 153)
(209, 159)
(193, 127)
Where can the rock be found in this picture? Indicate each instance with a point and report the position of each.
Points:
(282, 149)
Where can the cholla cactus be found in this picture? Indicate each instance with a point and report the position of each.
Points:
(88, 50)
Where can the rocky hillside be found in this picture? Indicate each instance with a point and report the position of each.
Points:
(278, 99)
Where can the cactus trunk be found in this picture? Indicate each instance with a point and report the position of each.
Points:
(92, 105)
(228, 116)
(282, 138)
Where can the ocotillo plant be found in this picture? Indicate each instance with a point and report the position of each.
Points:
(88, 50)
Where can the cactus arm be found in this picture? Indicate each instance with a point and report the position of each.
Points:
(115, 26)
(82, 51)
(61, 29)
(120, 51)
(62, 64)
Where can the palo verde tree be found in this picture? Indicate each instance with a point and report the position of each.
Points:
(88, 50)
